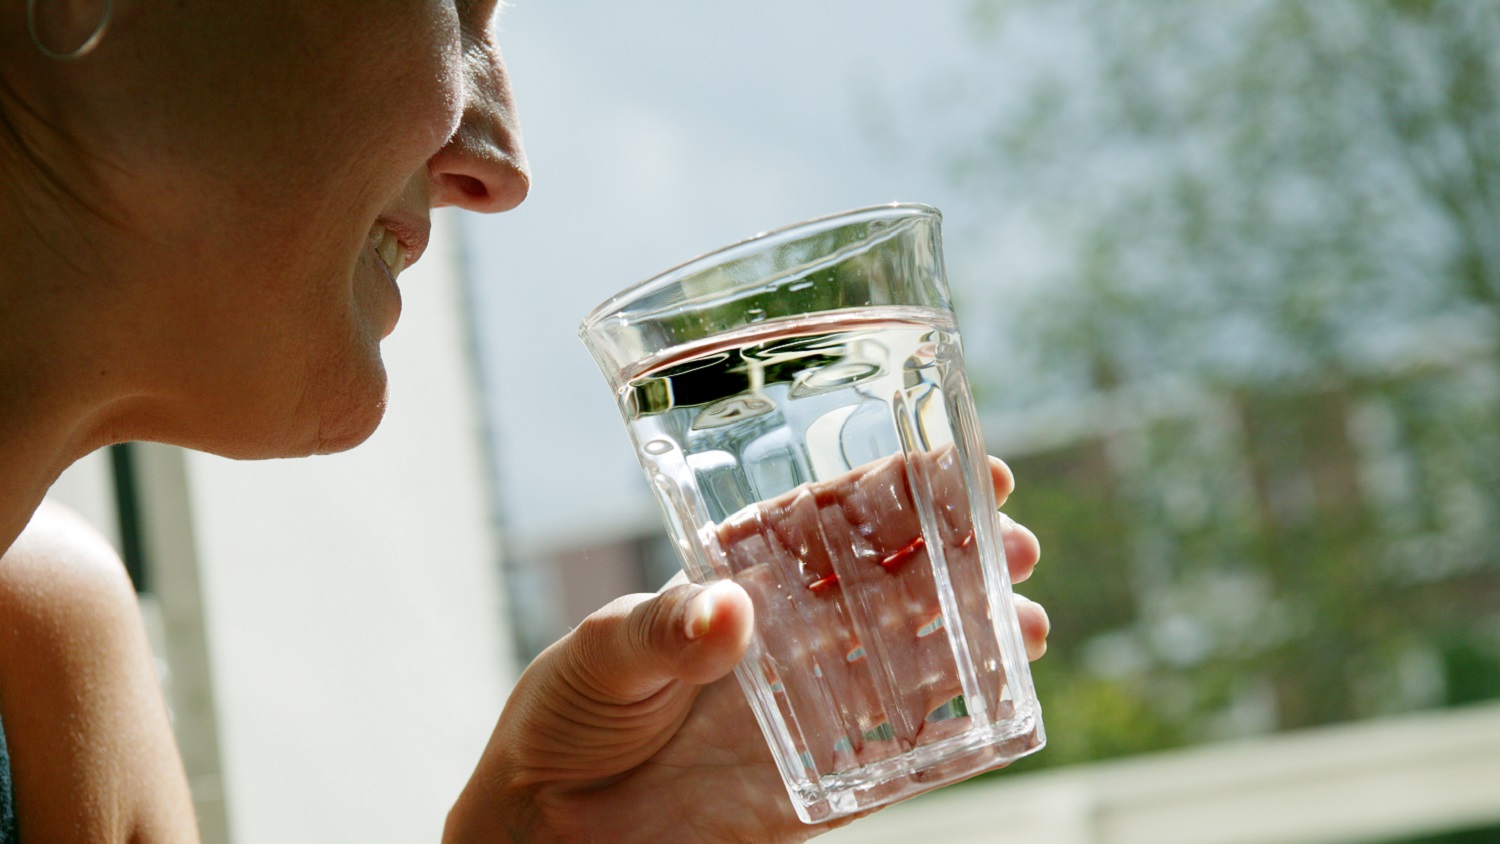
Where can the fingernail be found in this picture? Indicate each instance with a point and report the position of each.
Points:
(698, 615)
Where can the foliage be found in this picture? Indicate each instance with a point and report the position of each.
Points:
(1291, 208)
(1286, 176)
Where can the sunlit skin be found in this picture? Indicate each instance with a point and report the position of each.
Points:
(205, 219)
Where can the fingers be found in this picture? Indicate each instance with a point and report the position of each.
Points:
(1022, 550)
(1005, 482)
(1034, 626)
(636, 645)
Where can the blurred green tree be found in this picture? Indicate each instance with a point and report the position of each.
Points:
(1277, 282)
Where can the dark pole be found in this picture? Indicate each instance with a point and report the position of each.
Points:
(127, 509)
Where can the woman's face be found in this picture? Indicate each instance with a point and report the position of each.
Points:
(271, 165)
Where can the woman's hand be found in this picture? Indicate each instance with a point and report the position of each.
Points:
(630, 727)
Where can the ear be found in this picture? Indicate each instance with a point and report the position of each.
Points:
(67, 29)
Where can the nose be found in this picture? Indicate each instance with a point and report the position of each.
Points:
(483, 166)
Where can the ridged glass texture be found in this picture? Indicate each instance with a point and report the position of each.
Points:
(800, 408)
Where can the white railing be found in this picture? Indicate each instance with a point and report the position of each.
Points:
(1352, 784)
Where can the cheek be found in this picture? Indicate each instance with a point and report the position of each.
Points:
(366, 102)
(422, 76)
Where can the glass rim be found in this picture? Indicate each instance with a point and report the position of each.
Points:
(641, 289)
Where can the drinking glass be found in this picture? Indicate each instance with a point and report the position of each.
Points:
(799, 404)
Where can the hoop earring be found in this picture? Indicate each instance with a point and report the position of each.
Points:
(78, 52)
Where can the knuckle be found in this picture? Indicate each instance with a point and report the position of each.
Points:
(651, 626)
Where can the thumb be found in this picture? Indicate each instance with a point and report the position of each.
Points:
(636, 645)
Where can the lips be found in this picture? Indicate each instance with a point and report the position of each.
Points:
(399, 241)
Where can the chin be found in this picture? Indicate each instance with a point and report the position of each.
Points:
(336, 416)
(350, 430)
(335, 430)
(348, 415)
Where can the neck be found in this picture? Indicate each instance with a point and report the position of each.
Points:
(31, 457)
(44, 427)
(24, 479)
(58, 401)
(68, 329)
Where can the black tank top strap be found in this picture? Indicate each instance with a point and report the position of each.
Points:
(7, 796)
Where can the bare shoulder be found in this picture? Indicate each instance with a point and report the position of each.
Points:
(59, 569)
(90, 741)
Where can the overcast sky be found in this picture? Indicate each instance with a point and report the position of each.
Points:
(658, 130)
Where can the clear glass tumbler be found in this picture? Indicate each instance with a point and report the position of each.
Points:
(799, 405)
